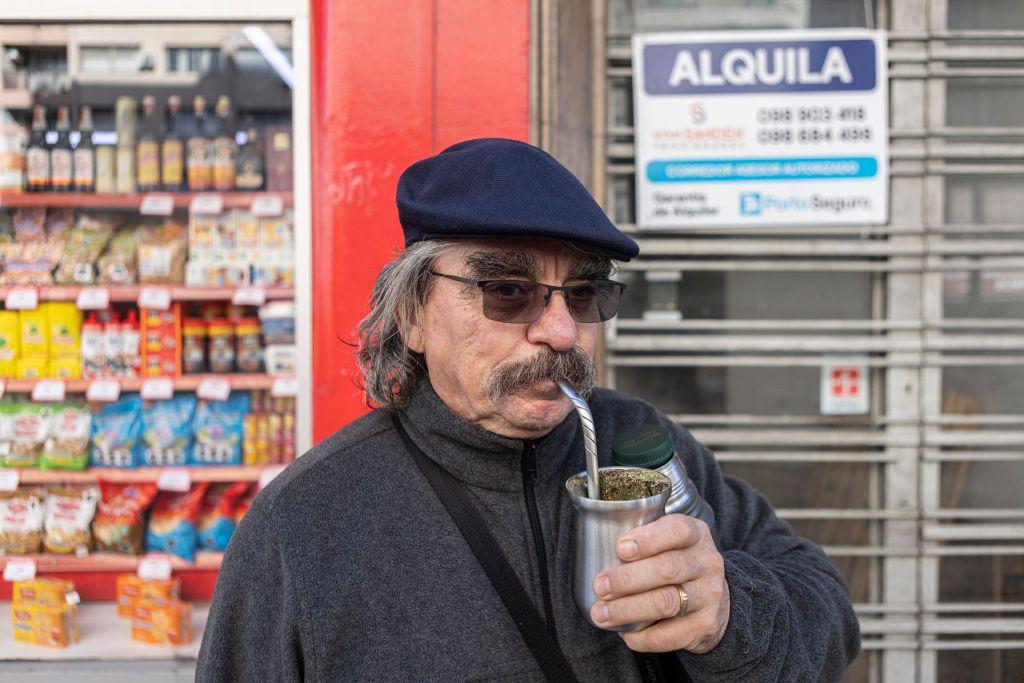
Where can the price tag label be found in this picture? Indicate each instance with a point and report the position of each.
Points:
(22, 299)
(9, 480)
(93, 299)
(49, 390)
(156, 568)
(103, 390)
(207, 204)
(267, 205)
(284, 387)
(174, 480)
(249, 296)
(20, 569)
(214, 389)
(155, 298)
(157, 205)
(72, 597)
(269, 474)
(157, 389)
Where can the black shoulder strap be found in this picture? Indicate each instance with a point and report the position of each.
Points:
(493, 561)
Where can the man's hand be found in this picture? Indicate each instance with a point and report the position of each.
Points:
(659, 557)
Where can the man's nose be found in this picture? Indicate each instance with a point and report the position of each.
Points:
(555, 327)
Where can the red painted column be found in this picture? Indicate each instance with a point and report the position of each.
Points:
(393, 81)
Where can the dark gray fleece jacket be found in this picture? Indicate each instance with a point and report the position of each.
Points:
(348, 568)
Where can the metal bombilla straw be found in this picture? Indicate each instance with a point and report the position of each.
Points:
(589, 439)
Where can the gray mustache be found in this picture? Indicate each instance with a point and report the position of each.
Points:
(572, 367)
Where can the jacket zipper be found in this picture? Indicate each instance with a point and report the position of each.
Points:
(529, 465)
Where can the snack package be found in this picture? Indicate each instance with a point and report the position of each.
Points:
(58, 223)
(131, 588)
(30, 424)
(117, 433)
(167, 431)
(217, 517)
(162, 253)
(42, 625)
(68, 516)
(244, 503)
(85, 244)
(30, 224)
(64, 325)
(219, 430)
(21, 522)
(10, 343)
(30, 258)
(172, 524)
(45, 592)
(118, 526)
(67, 444)
(117, 265)
(169, 623)
(35, 332)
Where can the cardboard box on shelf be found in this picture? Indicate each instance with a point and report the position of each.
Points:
(166, 623)
(131, 588)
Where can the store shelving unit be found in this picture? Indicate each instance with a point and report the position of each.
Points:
(206, 560)
(238, 381)
(130, 293)
(80, 200)
(122, 475)
(106, 643)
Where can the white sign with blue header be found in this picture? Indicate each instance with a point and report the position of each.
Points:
(738, 128)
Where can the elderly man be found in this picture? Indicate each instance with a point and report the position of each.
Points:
(356, 564)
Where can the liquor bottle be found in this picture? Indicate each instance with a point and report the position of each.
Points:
(147, 151)
(61, 164)
(85, 153)
(200, 163)
(37, 156)
(223, 147)
(124, 122)
(249, 164)
(172, 151)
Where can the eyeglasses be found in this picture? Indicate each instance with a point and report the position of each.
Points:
(523, 301)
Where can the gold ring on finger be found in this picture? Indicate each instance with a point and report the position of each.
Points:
(684, 601)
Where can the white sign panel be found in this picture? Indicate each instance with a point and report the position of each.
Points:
(738, 128)
(845, 388)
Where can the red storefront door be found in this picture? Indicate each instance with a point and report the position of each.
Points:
(393, 81)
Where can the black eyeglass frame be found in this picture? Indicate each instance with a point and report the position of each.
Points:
(565, 289)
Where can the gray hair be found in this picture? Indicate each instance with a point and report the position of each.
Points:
(391, 370)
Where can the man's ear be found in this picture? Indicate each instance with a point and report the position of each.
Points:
(414, 337)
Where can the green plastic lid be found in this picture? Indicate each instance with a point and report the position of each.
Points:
(649, 447)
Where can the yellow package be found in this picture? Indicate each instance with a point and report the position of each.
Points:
(32, 368)
(65, 326)
(65, 368)
(131, 588)
(10, 334)
(45, 592)
(163, 624)
(42, 625)
(35, 327)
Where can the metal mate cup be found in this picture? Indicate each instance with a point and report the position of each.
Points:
(600, 522)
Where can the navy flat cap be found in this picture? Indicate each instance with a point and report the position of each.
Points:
(494, 187)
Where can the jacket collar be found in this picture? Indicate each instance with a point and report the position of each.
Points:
(477, 457)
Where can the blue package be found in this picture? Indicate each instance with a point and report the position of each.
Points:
(219, 428)
(167, 431)
(172, 522)
(117, 433)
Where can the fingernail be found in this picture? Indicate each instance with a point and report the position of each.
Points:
(627, 549)
(602, 586)
(600, 612)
